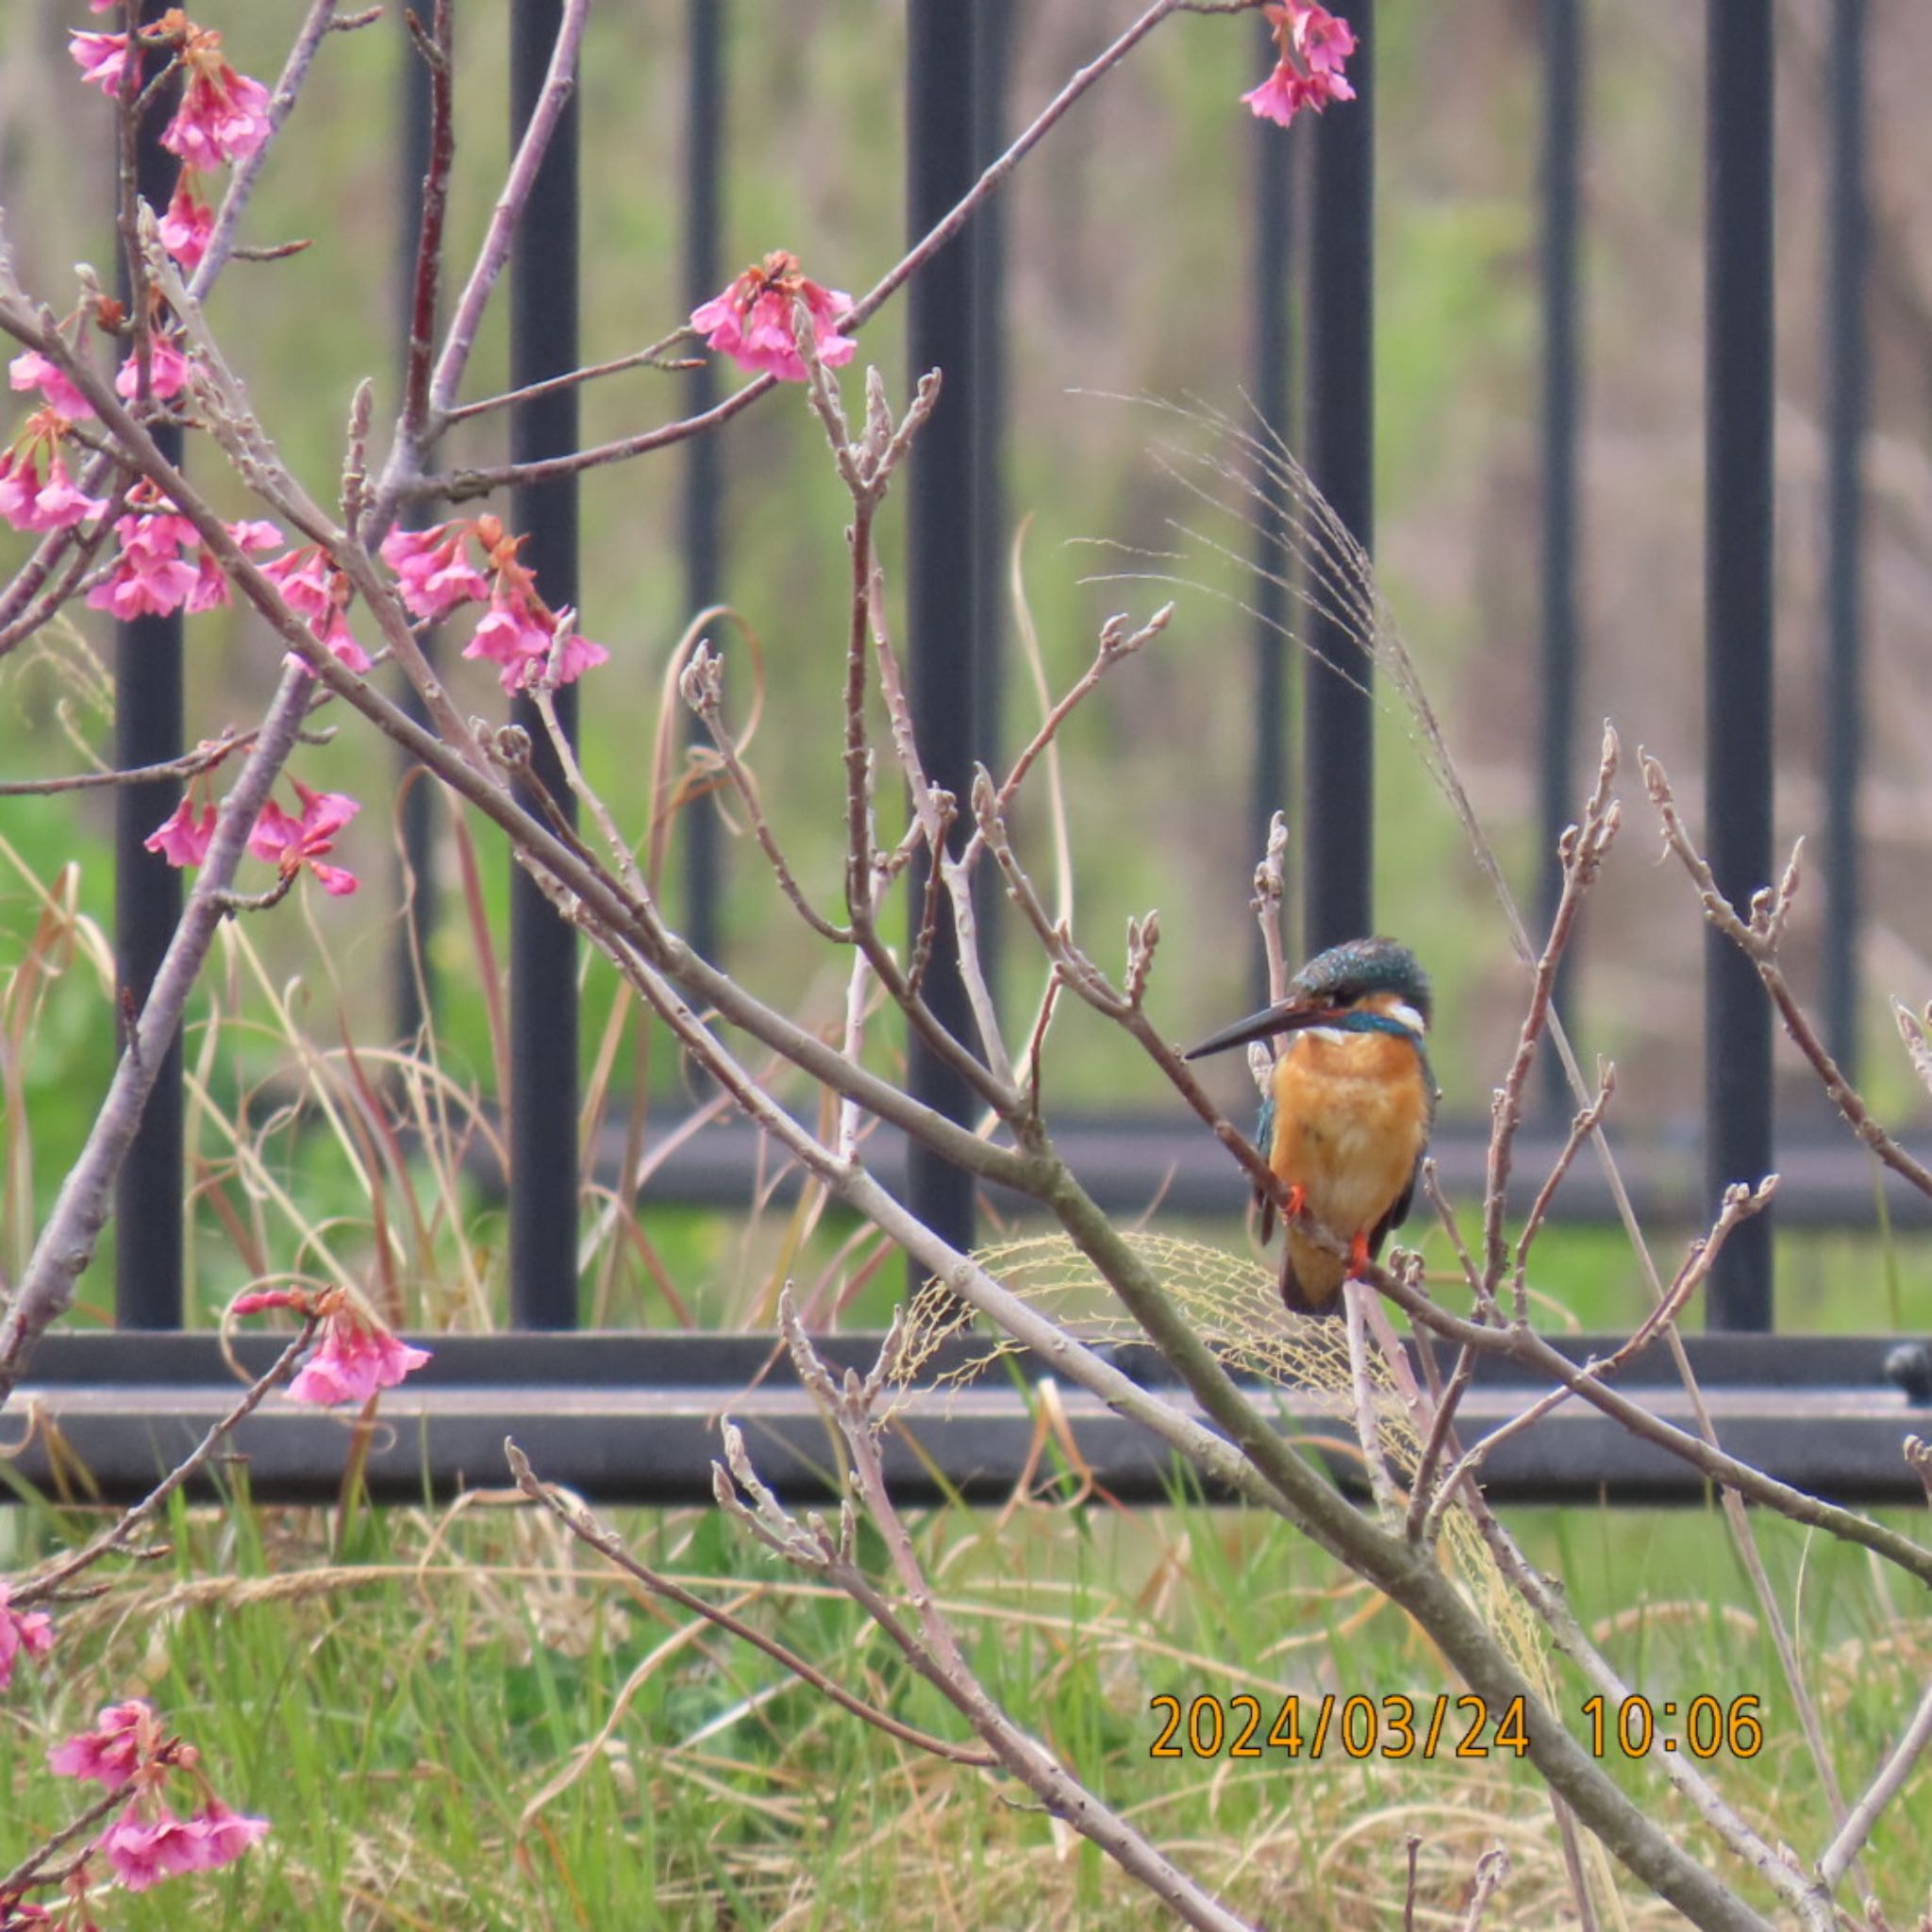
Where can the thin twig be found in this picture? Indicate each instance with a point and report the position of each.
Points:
(1368, 1427)
(1585, 1123)
(68, 1237)
(1740, 1203)
(1491, 1871)
(702, 687)
(1581, 849)
(560, 82)
(1527, 1347)
(21, 1878)
(1269, 886)
(652, 358)
(37, 1589)
(587, 1529)
(316, 26)
(1883, 1789)
(1758, 941)
(435, 49)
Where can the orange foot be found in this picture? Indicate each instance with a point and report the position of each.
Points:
(1297, 1201)
(1358, 1257)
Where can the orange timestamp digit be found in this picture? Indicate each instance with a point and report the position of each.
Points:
(1709, 1726)
(1356, 1727)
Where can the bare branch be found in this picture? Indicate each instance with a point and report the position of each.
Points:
(436, 48)
(1758, 941)
(1883, 1789)
(559, 83)
(588, 1530)
(41, 1587)
(1582, 849)
(67, 1238)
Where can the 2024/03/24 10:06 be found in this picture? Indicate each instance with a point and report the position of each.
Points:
(1387, 1726)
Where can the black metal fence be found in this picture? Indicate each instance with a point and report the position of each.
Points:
(627, 1415)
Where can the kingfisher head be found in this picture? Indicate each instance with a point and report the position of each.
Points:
(1362, 986)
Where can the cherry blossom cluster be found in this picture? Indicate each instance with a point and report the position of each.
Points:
(222, 116)
(519, 633)
(290, 844)
(129, 1751)
(35, 499)
(161, 566)
(355, 1353)
(1313, 44)
(150, 1840)
(752, 321)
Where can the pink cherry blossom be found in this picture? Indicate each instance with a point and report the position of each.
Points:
(167, 370)
(222, 1834)
(752, 320)
(113, 1751)
(315, 590)
(1314, 43)
(103, 61)
(28, 1631)
(303, 579)
(223, 115)
(433, 568)
(32, 370)
(19, 488)
(511, 635)
(189, 223)
(210, 584)
(144, 583)
(577, 655)
(1323, 40)
(58, 502)
(151, 577)
(154, 527)
(183, 839)
(143, 1853)
(353, 1362)
(334, 635)
(292, 843)
(356, 1355)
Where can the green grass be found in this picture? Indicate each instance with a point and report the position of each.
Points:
(400, 1692)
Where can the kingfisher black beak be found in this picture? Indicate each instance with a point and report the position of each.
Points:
(1285, 1018)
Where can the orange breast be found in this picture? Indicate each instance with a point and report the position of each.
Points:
(1350, 1119)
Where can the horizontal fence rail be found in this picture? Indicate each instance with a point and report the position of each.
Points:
(623, 1417)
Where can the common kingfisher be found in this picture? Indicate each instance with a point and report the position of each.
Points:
(1349, 1110)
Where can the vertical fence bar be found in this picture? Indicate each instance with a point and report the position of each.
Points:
(993, 53)
(149, 721)
(1271, 346)
(1562, 141)
(1338, 741)
(704, 141)
(1738, 351)
(1844, 432)
(543, 999)
(412, 968)
(941, 575)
